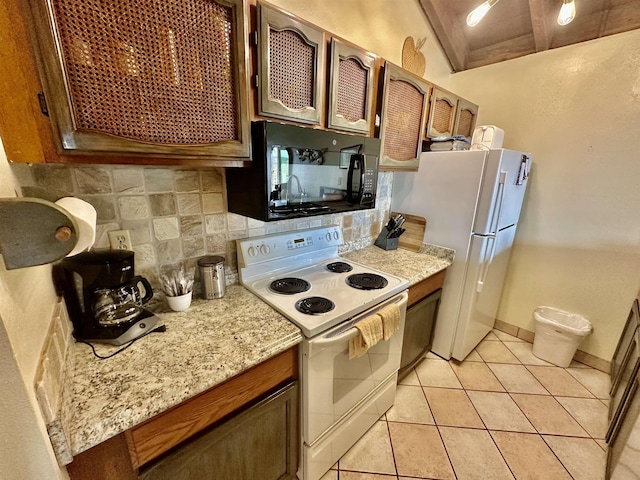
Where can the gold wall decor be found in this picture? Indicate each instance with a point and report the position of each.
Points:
(412, 58)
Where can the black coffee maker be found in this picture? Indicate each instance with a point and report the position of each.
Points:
(104, 298)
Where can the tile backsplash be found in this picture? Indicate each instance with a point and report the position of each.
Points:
(176, 215)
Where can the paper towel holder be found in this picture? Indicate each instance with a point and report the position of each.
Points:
(34, 231)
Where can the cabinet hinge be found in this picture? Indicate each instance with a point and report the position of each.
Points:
(42, 101)
(254, 37)
(255, 81)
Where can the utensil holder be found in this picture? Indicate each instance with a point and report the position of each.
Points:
(386, 243)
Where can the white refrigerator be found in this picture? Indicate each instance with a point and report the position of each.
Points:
(472, 201)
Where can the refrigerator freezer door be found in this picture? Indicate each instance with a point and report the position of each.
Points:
(445, 191)
(501, 194)
(487, 267)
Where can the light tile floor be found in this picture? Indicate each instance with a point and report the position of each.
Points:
(500, 414)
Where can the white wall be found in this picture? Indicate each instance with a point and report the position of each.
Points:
(577, 109)
(27, 299)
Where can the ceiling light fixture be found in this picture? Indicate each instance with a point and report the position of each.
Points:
(567, 12)
(479, 12)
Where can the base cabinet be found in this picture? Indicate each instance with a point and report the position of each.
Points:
(244, 428)
(260, 442)
(623, 436)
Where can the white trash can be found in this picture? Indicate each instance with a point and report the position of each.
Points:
(558, 334)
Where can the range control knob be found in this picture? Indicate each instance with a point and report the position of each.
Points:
(252, 251)
(264, 249)
(328, 235)
(336, 235)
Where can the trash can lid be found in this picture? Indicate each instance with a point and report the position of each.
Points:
(570, 322)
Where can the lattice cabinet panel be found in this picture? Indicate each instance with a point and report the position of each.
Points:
(291, 59)
(466, 115)
(351, 88)
(163, 78)
(404, 112)
(442, 114)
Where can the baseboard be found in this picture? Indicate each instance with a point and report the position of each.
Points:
(580, 356)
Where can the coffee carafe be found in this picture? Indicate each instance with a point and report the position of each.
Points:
(104, 297)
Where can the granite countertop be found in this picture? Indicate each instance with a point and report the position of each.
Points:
(414, 266)
(203, 346)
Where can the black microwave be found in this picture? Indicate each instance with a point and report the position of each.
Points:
(301, 171)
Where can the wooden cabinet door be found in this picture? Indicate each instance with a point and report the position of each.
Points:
(291, 61)
(404, 112)
(351, 87)
(442, 114)
(158, 78)
(466, 115)
(261, 442)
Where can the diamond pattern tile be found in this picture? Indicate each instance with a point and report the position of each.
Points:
(500, 414)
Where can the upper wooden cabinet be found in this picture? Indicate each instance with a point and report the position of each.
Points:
(450, 115)
(466, 115)
(162, 79)
(351, 88)
(404, 111)
(442, 115)
(291, 59)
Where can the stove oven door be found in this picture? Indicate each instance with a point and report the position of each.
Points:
(333, 385)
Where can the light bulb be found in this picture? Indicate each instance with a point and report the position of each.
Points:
(567, 12)
(479, 12)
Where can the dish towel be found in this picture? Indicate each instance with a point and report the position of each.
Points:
(390, 320)
(370, 332)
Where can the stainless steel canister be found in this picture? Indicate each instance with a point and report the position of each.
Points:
(212, 277)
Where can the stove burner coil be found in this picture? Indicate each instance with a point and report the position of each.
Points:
(366, 281)
(339, 267)
(314, 305)
(289, 285)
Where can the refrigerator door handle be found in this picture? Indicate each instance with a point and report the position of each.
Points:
(501, 188)
(487, 263)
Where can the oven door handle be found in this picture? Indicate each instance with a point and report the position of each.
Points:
(353, 331)
(328, 341)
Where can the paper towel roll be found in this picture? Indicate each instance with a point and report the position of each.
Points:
(85, 216)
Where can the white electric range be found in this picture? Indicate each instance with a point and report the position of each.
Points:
(301, 275)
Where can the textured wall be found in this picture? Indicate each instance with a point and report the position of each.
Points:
(578, 245)
(26, 303)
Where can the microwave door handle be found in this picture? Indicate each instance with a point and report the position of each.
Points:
(356, 158)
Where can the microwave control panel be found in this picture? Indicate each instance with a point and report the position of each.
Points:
(368, 186)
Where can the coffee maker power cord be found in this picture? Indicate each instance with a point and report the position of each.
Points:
(161, 328)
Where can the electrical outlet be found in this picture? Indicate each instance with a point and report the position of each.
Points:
(120, 240)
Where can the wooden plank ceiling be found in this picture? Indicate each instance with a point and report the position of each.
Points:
(514, 28)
